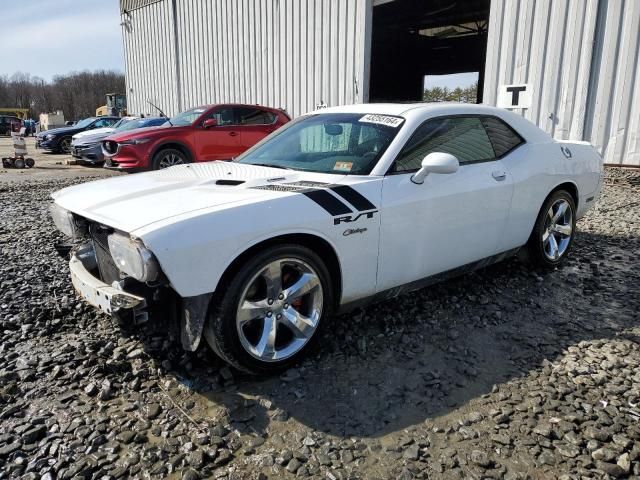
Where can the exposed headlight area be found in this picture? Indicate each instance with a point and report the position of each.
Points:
(133, 258)
(49, 136)
(67, 222)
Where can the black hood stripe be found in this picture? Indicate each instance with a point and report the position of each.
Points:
(327, 201)
(320, 193)
(354, 197)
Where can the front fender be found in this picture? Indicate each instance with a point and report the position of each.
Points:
(195, 250)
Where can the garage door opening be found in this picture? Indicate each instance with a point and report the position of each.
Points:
(418, 45)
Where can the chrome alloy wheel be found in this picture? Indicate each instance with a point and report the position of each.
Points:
(279, 310)
(558, 228)
(170, 159)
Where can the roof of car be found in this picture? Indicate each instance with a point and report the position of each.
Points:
(207, 107)
(402, 108)
(525, 128)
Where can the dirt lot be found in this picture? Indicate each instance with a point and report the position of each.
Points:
(503, 373)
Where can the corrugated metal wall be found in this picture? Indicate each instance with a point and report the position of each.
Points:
(283, 53)
(150, 59)
(581, 57)
(613, 113)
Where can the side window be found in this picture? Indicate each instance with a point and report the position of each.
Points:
(463, 137)
(102, 123)
(224, 116)
(254, 116)
(502, 136)
(269, 117)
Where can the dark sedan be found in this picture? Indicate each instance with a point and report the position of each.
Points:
(59, 139)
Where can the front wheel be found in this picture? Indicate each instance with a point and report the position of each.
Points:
(554, 230)
(65, 145)
(168, 158)
(270, 312)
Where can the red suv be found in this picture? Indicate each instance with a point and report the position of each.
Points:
(212, 132)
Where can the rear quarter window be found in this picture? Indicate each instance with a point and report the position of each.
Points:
(503, 137)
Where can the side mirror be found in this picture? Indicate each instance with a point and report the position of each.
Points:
(210, 122)
(436, 162)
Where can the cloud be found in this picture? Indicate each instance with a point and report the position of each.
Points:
(57, 37)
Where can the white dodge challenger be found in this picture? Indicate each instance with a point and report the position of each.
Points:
(336, 209)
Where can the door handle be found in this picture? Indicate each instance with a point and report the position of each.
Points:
(499, 175)
(233, 134)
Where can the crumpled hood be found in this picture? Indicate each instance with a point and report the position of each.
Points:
(130, 202)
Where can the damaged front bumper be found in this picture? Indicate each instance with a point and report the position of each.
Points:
(160, 303)
(108, 298)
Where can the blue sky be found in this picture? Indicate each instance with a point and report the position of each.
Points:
(52, 37)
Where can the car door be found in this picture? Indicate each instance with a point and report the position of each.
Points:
(256, 124)
(222, 141)
(451, 220)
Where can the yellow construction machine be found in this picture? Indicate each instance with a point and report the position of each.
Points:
(116, 105)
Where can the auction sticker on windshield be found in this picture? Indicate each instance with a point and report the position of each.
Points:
(387, 120)
(343, 166)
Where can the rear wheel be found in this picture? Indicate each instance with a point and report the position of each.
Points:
(271, 311)
(554, 230)
(168, 158)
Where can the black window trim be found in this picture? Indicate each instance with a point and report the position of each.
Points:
(480, 116)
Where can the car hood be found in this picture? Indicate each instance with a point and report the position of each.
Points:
(145, 132)
(98, 133)
(134, 201)
(61, 131)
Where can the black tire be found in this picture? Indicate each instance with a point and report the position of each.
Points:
(168, 155)
(537, 249)
(64, 145)
(18, 163)
(29, 162)
(221, 331)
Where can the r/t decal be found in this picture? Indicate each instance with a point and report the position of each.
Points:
(352, 218)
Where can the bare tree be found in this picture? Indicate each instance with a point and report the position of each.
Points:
(77, 94)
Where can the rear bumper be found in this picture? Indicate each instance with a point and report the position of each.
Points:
(107, 298)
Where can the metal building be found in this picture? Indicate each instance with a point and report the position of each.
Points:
(574, 61)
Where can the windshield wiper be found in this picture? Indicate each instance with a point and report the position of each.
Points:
(271, 166)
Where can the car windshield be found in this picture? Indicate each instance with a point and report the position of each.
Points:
(187, 118)
(340, 143)
(140, 123)
(84, 123)
(120, 123)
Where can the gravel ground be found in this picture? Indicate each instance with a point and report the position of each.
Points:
(503, 373)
